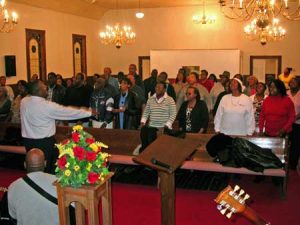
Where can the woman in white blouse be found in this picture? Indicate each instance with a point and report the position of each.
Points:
(235, 114)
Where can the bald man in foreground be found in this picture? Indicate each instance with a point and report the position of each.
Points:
(32, 199)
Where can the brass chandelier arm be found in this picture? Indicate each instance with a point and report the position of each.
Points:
(295, 15)
(233, 10)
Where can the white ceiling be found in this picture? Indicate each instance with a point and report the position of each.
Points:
(95, 9)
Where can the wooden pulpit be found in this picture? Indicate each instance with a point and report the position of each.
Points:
(87, 197)
(165, 155)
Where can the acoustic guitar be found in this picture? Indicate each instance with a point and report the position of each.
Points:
(231, 201)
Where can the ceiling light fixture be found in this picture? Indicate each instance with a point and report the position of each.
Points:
(139, 14)
(264, 14)
(117, 34)
(272, 32)
(203, 19)
(9, 20)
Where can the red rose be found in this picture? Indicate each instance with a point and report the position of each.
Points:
(79, 152)
(89, 140)
(65, 142)
(75, 137)
(61, 162)
(91, 156)
(93, 177)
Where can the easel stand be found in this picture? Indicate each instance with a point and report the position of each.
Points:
(85, 198)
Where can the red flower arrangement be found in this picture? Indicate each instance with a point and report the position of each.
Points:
(81, 160)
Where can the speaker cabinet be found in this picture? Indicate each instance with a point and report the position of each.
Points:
(10, 65)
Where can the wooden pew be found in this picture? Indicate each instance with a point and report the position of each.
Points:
(122, 143)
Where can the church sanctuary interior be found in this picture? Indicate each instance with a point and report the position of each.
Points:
(148, 112)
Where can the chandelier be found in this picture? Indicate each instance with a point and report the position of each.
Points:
(117, 35)
(203, 19)
(243, 10)
(9, 21)
(272, 32)
(265, 25)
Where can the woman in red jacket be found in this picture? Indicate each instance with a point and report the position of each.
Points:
(278, 112)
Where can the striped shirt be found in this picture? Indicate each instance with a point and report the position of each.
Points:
(161, 112)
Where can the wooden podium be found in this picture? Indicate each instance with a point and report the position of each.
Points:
(165, 155)
(86, 198)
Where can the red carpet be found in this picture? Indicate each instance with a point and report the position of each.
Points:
(140, 205)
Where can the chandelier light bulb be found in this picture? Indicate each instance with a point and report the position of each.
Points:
(14, 17)
(275, 21)
(196, 19)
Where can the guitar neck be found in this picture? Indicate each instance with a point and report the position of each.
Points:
(251, 215)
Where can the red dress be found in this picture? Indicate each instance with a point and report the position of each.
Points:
(277, 113)
(208, 84)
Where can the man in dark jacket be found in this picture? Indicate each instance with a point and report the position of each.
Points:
(133, 71)
(78, 95)
(56, 93)
(150, 83)
(102, 102)
(163, 77)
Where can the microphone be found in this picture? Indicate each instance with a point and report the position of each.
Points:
(162, 164)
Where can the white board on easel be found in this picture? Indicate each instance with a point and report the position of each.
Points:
(213, 60)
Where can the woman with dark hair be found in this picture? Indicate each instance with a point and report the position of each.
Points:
(180, 81)
(60, 81)
(69, 83)
(193, 113)
(120, 76)
(192, 80)
(294, 94)
(258, 100)
(125, 110)
(213, 77)
(235, 112)
(278, 112)
(23, 91)
(240, 77)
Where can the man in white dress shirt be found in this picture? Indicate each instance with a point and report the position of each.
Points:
(38, 121)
